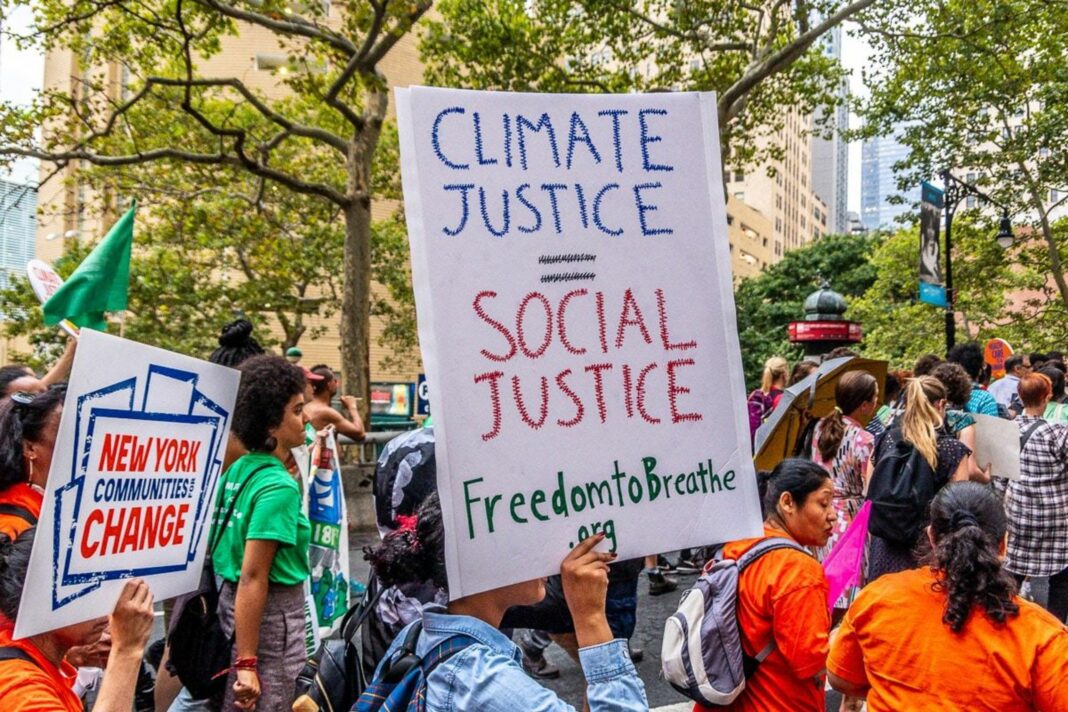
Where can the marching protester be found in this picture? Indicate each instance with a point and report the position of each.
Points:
(782, 596)
(28, 427)
(959, 422)
(842, 446)
(34, 672)
(764, 399)
(262, 555)
(891, 399)
(15, 378)
(1057, 409)
(921, 429)
(1004, 390)
(321, 412)
(469, 663)
(925, 364)
(801, 371)
(969, 356)
(1037, 503)
(952, 635)
(236, 344)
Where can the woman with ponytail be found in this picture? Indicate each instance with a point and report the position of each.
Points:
(764, 399)
(921, 426)
(29, 423)
(842, 446)
(952, 635)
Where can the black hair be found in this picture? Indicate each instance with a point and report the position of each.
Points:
(9, 374)
(14, 564)
(1056, 377)
(413, 554)
(267, 385)
(970, 357)
(795, 475)
(893, 388)
(1038, 359)
(957, 382)
(328, 375)
(925, 364)
(21, 422)
(236, 344)
(1012, 362)
(968, 525)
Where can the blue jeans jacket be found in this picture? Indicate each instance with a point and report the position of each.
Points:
(489, 677)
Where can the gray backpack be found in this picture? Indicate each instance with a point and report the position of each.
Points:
(702, 654)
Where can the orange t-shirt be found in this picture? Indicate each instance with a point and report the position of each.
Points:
(783, 595)
(894, 640)
(26, 687)
(21, 495)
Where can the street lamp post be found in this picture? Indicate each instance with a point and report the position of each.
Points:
(955, 191)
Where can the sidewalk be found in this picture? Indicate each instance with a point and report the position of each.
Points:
(679, 707)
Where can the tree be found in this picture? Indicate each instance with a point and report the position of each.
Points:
(899, 328)
(766, 303)
(759, 57)
(166, 110)
(979, 86)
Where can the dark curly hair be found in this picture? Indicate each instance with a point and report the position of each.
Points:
(14, 563)
(970, 356)
(416, 554)
(236, 344)
(925, 364)
(798, 476)
(957, 382)
(968, 525)
(267, 385)
(20, 423)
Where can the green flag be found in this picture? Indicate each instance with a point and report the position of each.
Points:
(101, 282)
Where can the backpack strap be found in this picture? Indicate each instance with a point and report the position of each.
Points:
(20, 512)
(766, 546)
(1026, 434)
(214, 544)
(13, 653)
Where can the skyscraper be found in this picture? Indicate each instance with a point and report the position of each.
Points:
(878, 183)
(18, 225)
(830, 157)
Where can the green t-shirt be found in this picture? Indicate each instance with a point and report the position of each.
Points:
(269, 508)
(1056, 413)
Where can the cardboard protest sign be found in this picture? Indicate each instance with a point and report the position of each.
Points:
(997, 443)
(131, 487)
(573, 288)
(328, 554)
(45, 282)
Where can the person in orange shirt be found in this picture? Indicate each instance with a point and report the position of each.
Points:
(782, 596)
(953, 635)
(28, 426)
(34, 675)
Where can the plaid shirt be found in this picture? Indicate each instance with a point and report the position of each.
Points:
(1037, 503)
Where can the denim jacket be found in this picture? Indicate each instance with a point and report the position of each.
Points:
(489, 677)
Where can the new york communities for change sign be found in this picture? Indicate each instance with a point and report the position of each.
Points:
(573, 287)
(132, 483)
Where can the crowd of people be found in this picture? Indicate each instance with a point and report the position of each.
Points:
(944, 575)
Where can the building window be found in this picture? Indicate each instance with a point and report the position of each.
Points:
(739, 176)
(740, 195)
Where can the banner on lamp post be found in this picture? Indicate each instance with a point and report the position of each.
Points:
(932, 290)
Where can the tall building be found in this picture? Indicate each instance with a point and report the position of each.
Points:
(18, 225)
(878, 183)
(255, 56)
(781, 191)
(830, 157)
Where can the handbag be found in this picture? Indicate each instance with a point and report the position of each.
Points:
(199, 649)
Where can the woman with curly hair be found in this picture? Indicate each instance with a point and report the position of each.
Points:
(952, 635)
(262, 554)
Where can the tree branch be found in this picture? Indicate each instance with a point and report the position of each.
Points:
(291, 26)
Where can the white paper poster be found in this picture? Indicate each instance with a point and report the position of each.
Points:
(132, 483)
(573, 288)
(997, 443)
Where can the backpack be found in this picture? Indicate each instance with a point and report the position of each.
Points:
(901, 489)
(401, 683)
(760, 406)
(22, 513)
(199, 650)
(334, 678)
(702, 654)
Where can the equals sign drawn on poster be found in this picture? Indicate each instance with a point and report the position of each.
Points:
(567, 259)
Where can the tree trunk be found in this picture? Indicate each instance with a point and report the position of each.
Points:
(356, 294)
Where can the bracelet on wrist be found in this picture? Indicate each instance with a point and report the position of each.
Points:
(249, 663)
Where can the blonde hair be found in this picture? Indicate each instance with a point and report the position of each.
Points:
(775, 368)
(921, 418)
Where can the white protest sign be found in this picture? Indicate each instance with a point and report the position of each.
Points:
(573, 288)
(997, 443)
(45, 282)
(131, 487)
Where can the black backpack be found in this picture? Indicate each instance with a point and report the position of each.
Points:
(901, 489)
(335, 677)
